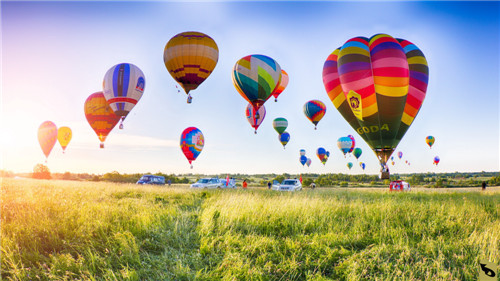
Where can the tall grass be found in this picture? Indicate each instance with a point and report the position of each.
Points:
(61, 230)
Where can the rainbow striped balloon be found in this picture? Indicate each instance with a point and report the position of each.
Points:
(192, 142)
(314, 111)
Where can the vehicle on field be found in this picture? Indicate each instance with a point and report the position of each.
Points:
(230, 184)
(150, 179)
(399, 186)
(208, 183)
(276, 185)
(290, 185)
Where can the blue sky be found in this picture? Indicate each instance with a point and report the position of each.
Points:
(55, 54)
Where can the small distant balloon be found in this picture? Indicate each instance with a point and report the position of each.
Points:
(344, 144)
(349, 165)
(357, 152)
(192, 142)
(302, 152)
(303, 160)
(314, 111)
(400, 154)
(353, 143)
(284, 138)
(362, 165)
(430, 140)
(280, 124)
(64, 135)
(321, 153)
(308, 163)
(47, 137)
(255, 119)
(436, 160)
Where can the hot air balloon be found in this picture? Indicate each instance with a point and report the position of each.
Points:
(362, 165)
(280, 124)
(255, 78)
(100, 116)
(303, 160)
(282, 85)
(308, 163)
(47, 137)
(64, 137)
(400, 154)
(436, 160)
(357, 152)
(321, 153)
(353, 145)
(284, 138)
(392, 158)
(250, 113)
(378, 85)
(349, 165)
(123, 87)
(190, 57)
(344, 143)
(192, 142)
(302, 152)
(392, 163)
(430, 140)
(314, 111)
(328, 154)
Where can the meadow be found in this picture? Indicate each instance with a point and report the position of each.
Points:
(72, 230)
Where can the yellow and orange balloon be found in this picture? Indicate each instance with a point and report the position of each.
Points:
(64, 136)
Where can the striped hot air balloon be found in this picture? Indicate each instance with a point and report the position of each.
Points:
(100, 116)
(280, 124)
(251, 116)
(190, 57)
(282, 85)
(314, 111)
(429, 140)
(378, 85)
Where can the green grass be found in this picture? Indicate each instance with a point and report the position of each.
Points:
(62, 230)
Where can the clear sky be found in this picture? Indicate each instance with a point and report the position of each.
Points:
(55, 54)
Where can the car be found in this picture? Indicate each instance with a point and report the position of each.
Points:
(231, 184)
(290, 185)
(150, 179)
(208, 183)
(399, 186)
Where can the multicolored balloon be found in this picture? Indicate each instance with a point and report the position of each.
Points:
(64, 135)
(123, 87)
(314, 111)
(353, 145)
(282, 85)
(362, 165)
(47, 137)
(321, 153)
(192, 142)
(302, 152)
(349, 165)
(357, 152)
(251, 114)
(280, 124)
(303, 160)
(190, 57)
(308, 163)
(430, 141)
(436, 160)
(284, 138)
(400, 154)
(378, 85)
(345, 144)
(255, 78)
(100, 116)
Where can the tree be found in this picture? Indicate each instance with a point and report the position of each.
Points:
(41, 171)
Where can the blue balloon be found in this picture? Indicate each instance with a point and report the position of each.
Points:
(303, 160)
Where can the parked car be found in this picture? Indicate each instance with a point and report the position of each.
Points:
(290, 185)
(150, 179)
(399, 186)
(208, 183)
(231, 184)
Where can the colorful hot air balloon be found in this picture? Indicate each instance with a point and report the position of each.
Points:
(64, 137)
(100, 116)
(250, 114)
(47, 137)
(392, 158)
(284, 138)
(392, 163)
(190, 57)
(430, 141)
(349, 165)
(280, 124)
(308, 163)
(282, 85)
(192, 142)
(123, 87)
(400, 154)
(302, 152)
(314, 111)
(344, 143)
(362, 165)
(303, 160)
(353, 145)
(357, 152)
(378, 85)
(436, 160)
(255, 78)
(321, 153)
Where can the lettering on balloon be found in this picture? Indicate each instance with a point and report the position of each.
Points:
(372, 129)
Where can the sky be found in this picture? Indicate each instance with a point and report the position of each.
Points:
(55, 54)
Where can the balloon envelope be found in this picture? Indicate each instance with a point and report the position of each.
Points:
(378, 85)
(308, 163)
(64, 135)
(436, 160)
(280, 124)
(192, 142)
(362, 165)
(255, 78)
(284, 138)
(47, 136)
(302, 152)
(314, 111)
(349, 165)
(255, 119)
(357, 152)
(100, 116)
(282, 85)
(430, 140)
(303, 160)
(400, 154)
(123, 87)
(353, 143)
(344, 144)
(190, 57)
(321, 153)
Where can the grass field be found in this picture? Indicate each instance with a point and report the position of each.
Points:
(64, 230)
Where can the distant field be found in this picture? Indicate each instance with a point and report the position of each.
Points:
(67, 230)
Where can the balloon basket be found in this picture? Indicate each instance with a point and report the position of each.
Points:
(275, 100)
(315, 128)
(101, 145)
(191, 166)
(255, 132)
(189, 99)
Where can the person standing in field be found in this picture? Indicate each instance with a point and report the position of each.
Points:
(484, 186)
(169, 182)
(268, 185)
(245, 184)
